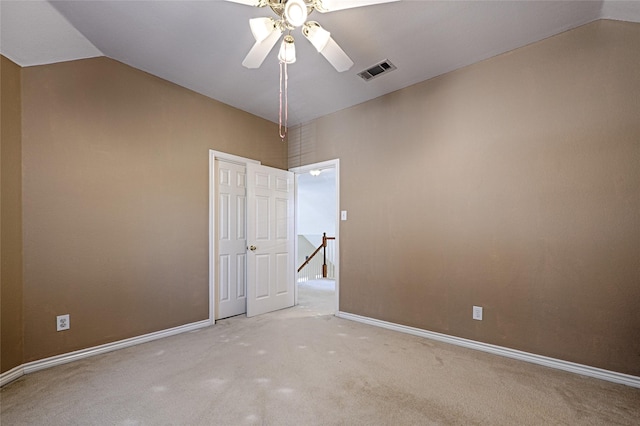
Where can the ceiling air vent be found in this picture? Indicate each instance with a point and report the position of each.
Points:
(377, 70)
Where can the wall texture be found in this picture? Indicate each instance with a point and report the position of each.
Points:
(11, 321)
(115, 200)
(512, 184)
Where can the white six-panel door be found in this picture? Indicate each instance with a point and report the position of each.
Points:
(232, 239)
(270, 239)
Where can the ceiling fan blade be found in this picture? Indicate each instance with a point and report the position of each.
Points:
(260, 50)
(247, 2)
(332, 5)
(336, 56)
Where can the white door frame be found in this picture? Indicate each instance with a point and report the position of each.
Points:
(213, 182)
(334, 164)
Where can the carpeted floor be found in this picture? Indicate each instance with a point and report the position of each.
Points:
(304, 366)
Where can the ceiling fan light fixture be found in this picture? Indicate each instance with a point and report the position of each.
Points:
(287, 52)
(295, 12)
(317, 35)
(261, 28)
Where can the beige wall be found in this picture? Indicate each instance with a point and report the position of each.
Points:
(115, 200)
(513, 184)
(11, 344)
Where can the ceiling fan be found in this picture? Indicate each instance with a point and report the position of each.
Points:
(292, 14)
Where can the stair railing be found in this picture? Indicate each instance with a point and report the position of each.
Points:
(322, 247)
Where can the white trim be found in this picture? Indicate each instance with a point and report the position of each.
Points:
(53, 361)
(231, 158)
(321, 165)
(335, 164)
(11, 375)
(572, 367)
(212, 220)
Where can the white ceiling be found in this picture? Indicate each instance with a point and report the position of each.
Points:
(200, 44)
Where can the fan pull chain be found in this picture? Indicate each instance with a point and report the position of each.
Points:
(283, 72)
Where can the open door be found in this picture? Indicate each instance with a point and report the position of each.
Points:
(270, 239)
(231, 230)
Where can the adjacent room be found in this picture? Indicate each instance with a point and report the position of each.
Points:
(484, 159)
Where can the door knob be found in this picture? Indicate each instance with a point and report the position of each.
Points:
(252, 248)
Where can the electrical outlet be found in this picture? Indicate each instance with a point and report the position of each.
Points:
(62, 322)
(477, 313)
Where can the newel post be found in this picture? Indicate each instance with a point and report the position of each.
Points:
(324, 255)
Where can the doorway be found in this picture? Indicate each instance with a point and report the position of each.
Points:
(317, 229)
(251, 237)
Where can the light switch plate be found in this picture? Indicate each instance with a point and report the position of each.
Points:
(343, 215)
(477, 313)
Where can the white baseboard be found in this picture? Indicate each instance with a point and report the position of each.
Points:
(571, 367)
(41, 364)
(11, 375)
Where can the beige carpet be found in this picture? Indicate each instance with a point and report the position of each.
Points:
(303, 366)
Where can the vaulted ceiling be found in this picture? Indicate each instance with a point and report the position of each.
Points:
(200, 45)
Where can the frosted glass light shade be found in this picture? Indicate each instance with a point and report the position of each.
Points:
(317, 35)
(287, 52)
(261, 28)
